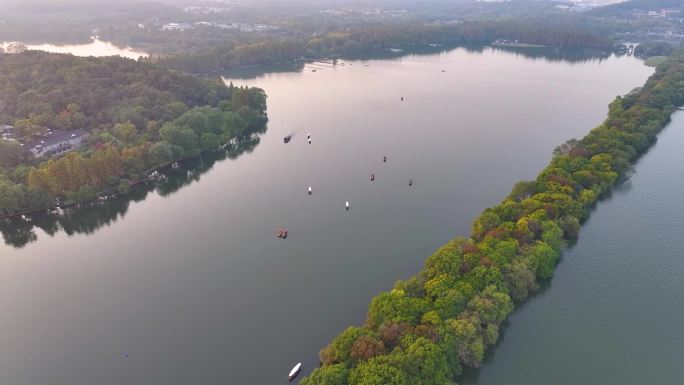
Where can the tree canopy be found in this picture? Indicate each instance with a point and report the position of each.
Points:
(138, 116)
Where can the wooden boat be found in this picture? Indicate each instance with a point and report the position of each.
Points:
(294, 372)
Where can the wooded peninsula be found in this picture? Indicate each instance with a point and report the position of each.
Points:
(114, 119)
(429, 327)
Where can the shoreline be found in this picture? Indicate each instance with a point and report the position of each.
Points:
(519, 45)
(114, 192)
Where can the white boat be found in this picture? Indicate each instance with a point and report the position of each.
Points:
(294, 372)
(309, 190)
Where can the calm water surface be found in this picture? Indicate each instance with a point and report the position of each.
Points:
(195, 287)
(95, 48)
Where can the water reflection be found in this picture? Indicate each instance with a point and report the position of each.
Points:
(88, 218)
(96, 47)
(548, 54)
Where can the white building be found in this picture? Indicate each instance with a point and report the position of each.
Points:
(57, 142)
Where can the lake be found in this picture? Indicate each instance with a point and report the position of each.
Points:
(187, 283)
(96, 47)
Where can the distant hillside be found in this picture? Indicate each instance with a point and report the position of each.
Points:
(623, 9)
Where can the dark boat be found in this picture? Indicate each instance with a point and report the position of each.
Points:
(384, 159)
(410, 182)
(372, 177)
(287, 138)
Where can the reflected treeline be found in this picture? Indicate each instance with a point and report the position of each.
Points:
(88, 218)
(557, 54)
(542, 53)
(255, 72)
(299, 65)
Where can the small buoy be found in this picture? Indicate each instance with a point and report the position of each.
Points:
(347, 205)
(384, 158)
(309, 190)
(125, 355)
(402, 98)
(410, 182)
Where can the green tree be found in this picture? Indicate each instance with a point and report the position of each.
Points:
(395, 306)
(377, 371)
(209, 141)
(161, 153)
(125, 132)
(12, 154)
(544, 257)
(327, 375)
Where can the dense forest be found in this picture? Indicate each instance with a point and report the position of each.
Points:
(559, 32)
(428, 328)
(138, 116)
